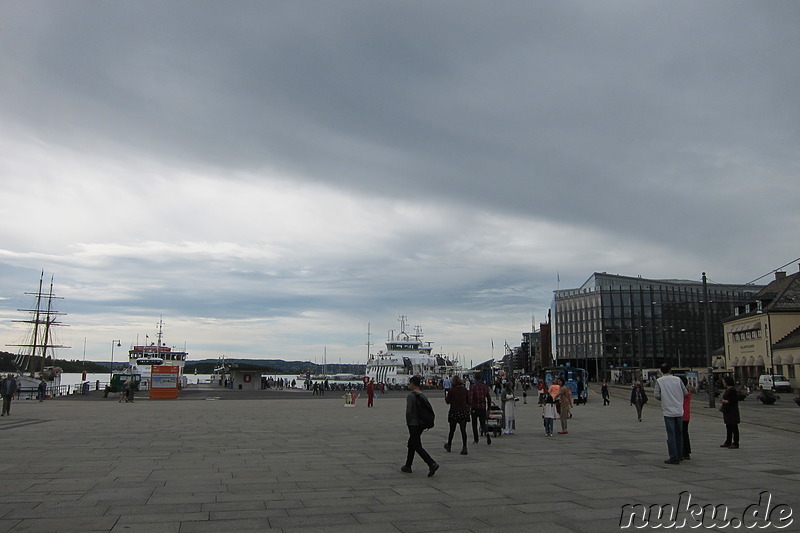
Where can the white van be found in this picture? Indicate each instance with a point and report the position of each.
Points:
(775, 382)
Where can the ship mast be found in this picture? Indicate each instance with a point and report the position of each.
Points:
(41, 337)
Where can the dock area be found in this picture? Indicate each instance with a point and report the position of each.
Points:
(287, 461)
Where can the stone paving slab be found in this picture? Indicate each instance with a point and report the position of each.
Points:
(290, 462)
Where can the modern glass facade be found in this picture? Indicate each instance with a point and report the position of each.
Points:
(614, 322)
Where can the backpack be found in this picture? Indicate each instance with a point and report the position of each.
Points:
(425, 413)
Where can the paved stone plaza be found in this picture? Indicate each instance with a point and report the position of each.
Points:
(290, 462)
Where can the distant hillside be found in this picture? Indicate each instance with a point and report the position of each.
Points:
(206, 366)
(7, 364)
(275, 366)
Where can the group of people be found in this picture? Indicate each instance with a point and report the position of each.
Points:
(675, 399)
(474, 403)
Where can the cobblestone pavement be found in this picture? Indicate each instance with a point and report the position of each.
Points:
(290, 462)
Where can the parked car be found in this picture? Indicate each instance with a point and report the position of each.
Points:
(774, 382)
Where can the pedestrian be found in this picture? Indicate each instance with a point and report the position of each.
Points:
(671, 391)
(730, 414)
(41, 390)
(370, 392)
(540, 386)
(564, 399)
(580, 397)
(548, 415)
(687, 414)
(446, 384)
(508, 399)
(8, 387)
(415, 402)
(480, 401)
(604, 392)
(638, 398)
(457, 398)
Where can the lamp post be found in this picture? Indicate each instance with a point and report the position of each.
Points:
(711, 384)
(112, 358)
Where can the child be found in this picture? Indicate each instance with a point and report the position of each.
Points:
(549, 415)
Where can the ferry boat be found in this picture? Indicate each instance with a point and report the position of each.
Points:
(142, 358)
(31, 361)
(408, 355)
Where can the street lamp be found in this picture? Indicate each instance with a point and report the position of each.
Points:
(112, 357)
(711, 383)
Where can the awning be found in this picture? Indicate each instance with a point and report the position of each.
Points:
(746, 326)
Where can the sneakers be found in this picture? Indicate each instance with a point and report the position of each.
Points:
(733, 447)
(432, 470)
(464, 451)
(406, 469)
(724, 445)
(447, 447)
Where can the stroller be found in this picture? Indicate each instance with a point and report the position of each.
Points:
(494, 420)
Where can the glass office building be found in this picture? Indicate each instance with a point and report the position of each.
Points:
(620, 322)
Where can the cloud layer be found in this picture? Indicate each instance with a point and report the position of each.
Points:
(272, 178)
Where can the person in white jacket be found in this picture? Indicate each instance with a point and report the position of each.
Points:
(670, 390)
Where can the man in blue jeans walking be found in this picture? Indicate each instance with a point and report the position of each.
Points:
(670, 390)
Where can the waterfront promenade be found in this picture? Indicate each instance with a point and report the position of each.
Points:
(287, 461)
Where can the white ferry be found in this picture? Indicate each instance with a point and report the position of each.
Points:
(408, 355)
(143, 358)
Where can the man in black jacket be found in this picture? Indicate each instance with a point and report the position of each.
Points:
(414, 402)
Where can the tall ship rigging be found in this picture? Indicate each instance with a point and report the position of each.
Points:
(34, 361)
(406, 355)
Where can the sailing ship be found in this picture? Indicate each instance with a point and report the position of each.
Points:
(406, 355)
(34, 359)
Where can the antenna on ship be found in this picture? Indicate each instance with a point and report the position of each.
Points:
(368, 339)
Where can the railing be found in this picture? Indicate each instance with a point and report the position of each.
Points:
(32, 393)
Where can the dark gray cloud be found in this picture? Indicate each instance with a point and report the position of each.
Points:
(665, 130)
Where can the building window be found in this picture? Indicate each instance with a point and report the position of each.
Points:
(790, 368)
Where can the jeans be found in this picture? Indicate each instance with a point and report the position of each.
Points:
(478, 415)
(548, 426)
(7, 404)
(687, 446)
(415, 446)
(674, 425)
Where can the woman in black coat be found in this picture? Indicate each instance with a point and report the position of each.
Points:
(730, 414)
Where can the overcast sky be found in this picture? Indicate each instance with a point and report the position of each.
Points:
(272, 177)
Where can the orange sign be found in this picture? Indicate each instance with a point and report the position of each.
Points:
(164, 382)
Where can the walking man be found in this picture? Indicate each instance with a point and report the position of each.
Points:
(7, 389)
(415, 402)
(480, 398)
(670, 390)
